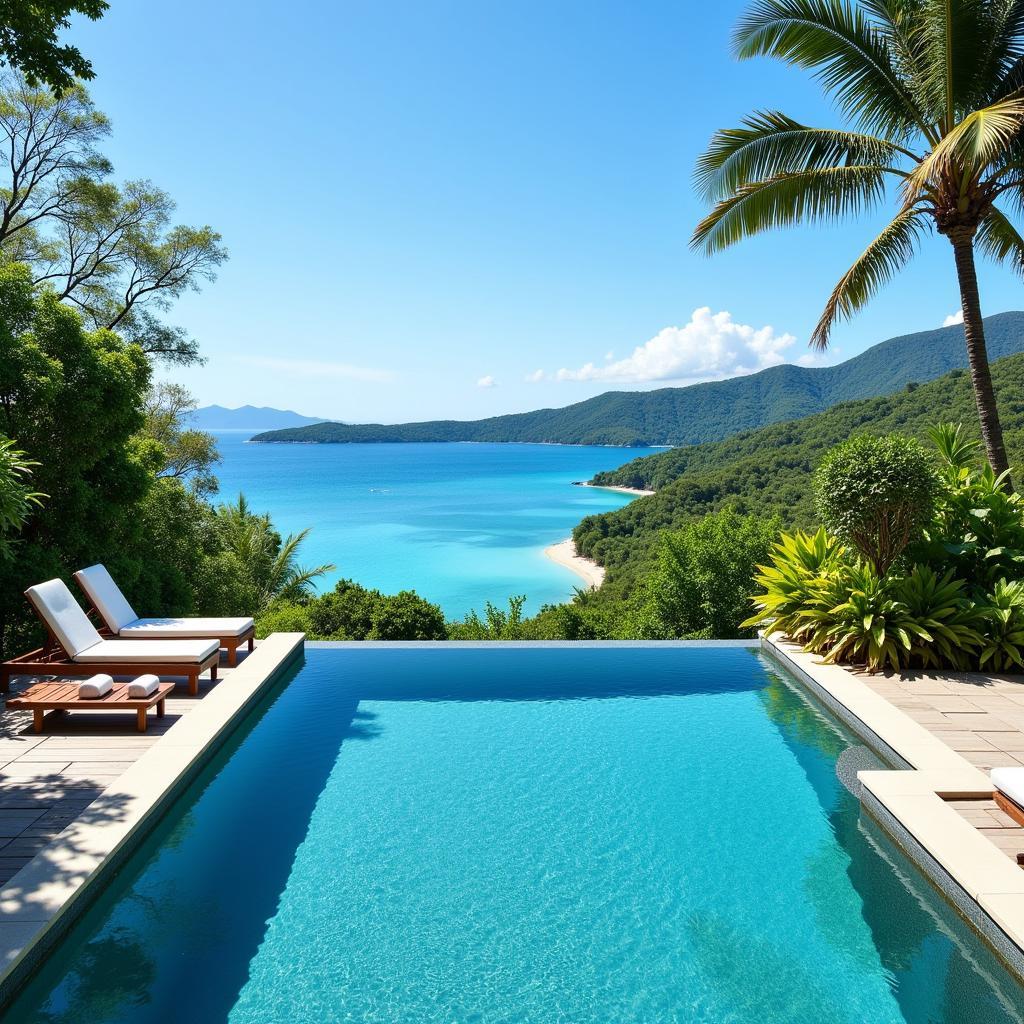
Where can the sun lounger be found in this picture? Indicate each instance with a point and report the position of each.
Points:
(43, 697)
(1009, 791)
(75, 647)
(119, 617)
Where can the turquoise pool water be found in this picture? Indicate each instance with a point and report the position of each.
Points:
(581, 836)
(462, 524)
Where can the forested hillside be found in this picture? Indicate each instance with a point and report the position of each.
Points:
(701, 412)
(769, 470)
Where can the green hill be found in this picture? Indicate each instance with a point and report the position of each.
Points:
(700, 412)
(769, 470)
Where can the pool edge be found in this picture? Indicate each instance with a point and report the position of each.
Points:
(41, 902)
(908, 803)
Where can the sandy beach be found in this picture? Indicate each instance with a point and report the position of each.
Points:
(564, 553)
(622, 490)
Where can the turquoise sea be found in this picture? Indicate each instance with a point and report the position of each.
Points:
(461, 524)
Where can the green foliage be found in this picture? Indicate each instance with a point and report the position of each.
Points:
(407, 616)
(73, 399)
(185, 454)
(28, 39)
(876, 493)
(979, 525)
(268, 565)
(701, 412)
(16, 497)
(701, 586)
(496, 624)
(354, 612)
(1003, 647)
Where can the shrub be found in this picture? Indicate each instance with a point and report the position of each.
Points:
(948, 622)
(1003, 648)
(876, 493)
(799, 563)
(495, 625)
(344, 613)
(284, 618)
(701, 586)
(407, 616)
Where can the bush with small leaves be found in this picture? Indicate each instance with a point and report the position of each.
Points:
(878, 494)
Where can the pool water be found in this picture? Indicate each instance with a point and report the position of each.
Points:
(587, 836)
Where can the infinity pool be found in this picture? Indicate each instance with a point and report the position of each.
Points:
(580, 836)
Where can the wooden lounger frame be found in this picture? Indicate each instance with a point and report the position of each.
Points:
(52, 660)
(43, 697)
(1006, 805)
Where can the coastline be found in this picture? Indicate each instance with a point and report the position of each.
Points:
(636, 491)
(564, 553)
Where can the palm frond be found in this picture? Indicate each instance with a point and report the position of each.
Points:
(825, 193)
(980, 139)
(877, 265)
(1000, 241)
(849, 55)
(768, 143)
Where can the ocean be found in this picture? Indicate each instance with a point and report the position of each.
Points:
(461, 524)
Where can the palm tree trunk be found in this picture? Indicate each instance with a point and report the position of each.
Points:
(962, 239)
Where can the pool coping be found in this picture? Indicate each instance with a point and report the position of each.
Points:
(45, 897)
(909, 802)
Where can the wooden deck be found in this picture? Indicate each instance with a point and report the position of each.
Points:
(48, 779)
(981, 718)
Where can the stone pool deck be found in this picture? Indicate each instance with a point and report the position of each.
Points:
(75, 798)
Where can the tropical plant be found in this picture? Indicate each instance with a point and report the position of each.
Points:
(1003, 647)
(407, 616)
(269, 563)
(876, 493)
(16, 498)
(949, 624)
(933, 99)
(799, 563)
(979, 525)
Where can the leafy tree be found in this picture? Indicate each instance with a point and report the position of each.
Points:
(701, 586)
(407, 616)
(111, 251)
(28, 39)
(878, 493)
(933, 102)
(16, 498)
(496, 624)
(345, 613)
(73, 399)
(268, 564)
(186, 454)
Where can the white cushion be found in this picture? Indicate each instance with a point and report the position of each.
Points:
(1010, 782)
(141, 652)
(95, 687)
(170, 628)
(106, 596)
(143, 686)
(62, 613)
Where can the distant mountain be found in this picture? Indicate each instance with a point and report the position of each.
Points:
(701, 412)
(248, 417)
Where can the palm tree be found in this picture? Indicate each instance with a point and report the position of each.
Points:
(932, 94)
(269, 562)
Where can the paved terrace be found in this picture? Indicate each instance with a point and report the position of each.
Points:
(981, 718)
(48, 779)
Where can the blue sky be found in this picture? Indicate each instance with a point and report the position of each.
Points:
(434, 207)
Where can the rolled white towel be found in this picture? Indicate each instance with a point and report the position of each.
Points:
(143, 686)
(95, 686)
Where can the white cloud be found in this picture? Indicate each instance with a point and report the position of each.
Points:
(486, 382)
(710, 346)
(316, 368)
(954, 318)
(536, 377)
(609, 356)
